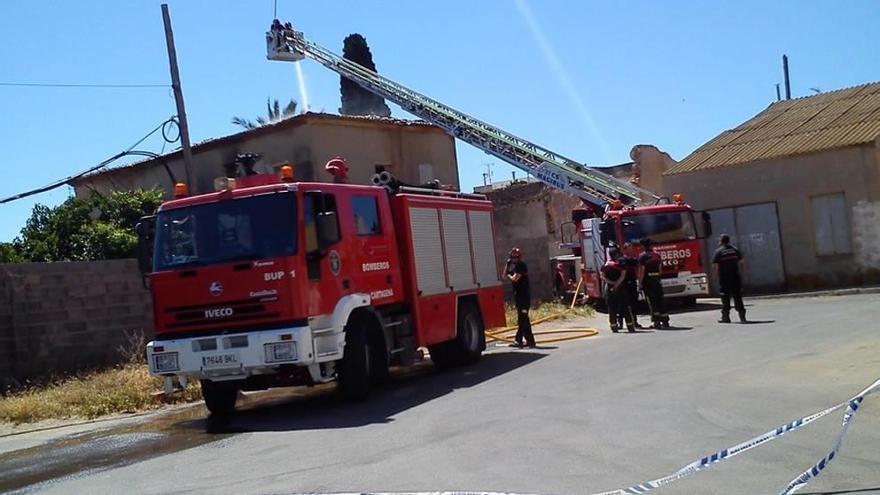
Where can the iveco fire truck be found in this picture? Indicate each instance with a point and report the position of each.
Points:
(672, 227)
(268, 282)
(675, 232)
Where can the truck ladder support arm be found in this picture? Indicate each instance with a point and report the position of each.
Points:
(551, 168)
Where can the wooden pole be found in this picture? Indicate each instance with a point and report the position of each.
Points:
(178, 99)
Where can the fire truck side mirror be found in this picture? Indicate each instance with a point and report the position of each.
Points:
(328, 229)
(707, 223)
(146, 231)
(606, 232)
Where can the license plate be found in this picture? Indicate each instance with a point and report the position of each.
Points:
(220, 360)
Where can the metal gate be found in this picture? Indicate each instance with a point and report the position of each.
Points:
(754, 229)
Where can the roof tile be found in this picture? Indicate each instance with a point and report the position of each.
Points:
(830, 120)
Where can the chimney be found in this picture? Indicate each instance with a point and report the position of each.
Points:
(785, 75)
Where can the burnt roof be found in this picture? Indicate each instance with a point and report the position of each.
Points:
(283, 124)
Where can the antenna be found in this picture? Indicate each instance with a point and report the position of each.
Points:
(275, 11)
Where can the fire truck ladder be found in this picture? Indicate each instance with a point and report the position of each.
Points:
(553, 169)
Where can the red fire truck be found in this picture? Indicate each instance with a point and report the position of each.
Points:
(676, 234)
(267, 282)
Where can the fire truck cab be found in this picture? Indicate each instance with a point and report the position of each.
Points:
(676, 234)
(268, 283)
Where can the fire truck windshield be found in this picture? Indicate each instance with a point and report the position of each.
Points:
(247, 228)
(659, 227)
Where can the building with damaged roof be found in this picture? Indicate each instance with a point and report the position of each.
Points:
(414, 151)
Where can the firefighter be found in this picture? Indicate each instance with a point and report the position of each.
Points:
(629, 262)
(728, 262)
(518, 273)
(560, 285)
(616, 295)
(649, 277)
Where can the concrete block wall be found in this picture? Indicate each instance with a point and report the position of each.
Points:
(66, 317)
(7, 343)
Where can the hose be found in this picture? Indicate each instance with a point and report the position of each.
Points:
(503, 334)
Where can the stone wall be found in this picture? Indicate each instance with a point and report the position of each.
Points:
(866, 238)
(650, 162)
(64, 317)
(529, 215)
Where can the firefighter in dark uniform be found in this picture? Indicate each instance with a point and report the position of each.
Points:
(616, 295)
(518, 273)
(727, 263)
(649, 277)
(629, 262)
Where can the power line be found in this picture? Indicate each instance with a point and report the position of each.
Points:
(66, 85)
(101, 165)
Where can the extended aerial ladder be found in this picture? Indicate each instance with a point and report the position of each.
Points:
(590, 185)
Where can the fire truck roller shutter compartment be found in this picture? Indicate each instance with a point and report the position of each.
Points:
(428, 251)
(484, 248)
(458, 250)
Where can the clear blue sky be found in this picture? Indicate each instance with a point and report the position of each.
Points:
(588, 79)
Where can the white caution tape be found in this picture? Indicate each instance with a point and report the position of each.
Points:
(851, 405)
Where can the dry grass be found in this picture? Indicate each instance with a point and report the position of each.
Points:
(546, 309)
(126, 388)
(130, 388)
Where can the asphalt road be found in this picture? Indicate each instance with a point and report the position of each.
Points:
(575, 418)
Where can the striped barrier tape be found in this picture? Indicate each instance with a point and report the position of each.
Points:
(851, 406)
(796, 484)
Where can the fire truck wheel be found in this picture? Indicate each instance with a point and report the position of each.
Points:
(355, 373)
(220, 397)
(470, 339)
(441, 355)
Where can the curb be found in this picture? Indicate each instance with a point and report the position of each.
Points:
(820, 293)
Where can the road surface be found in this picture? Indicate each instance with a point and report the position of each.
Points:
(572, 418)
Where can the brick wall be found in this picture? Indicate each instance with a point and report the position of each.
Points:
(65, 317)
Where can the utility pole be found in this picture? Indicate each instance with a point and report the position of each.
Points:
(178, 98)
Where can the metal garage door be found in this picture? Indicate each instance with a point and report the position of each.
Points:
(754, 229)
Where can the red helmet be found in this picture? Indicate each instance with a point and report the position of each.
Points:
(515, 251)
(337, 167)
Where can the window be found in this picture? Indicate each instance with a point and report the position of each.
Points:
(659, 227)
(366, 215)
(831, 225)
(225, 231)
(316, 204)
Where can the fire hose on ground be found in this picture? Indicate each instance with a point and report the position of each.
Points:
(505, 334)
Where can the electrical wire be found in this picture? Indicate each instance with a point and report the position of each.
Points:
(65, 85)
(99, 166)
(160, 158)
